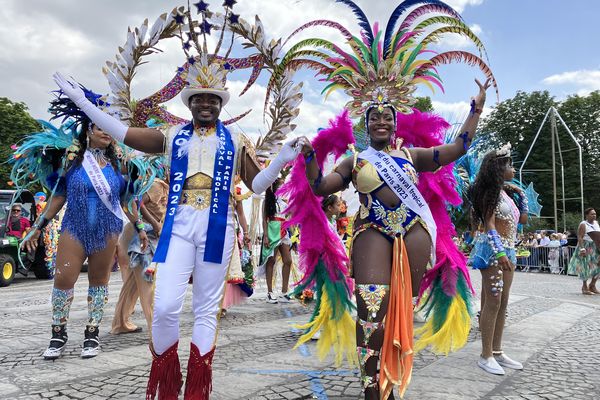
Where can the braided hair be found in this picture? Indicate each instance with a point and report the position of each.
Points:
(485, 192)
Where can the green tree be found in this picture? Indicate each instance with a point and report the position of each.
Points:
(517, 121)
(15, 124)
(424, 104)
(582, 116)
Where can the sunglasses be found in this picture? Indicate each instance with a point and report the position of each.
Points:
(16, 210)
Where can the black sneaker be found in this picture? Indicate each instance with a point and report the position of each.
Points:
(91, 344)
(58, 343)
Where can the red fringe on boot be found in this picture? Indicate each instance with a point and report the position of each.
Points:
(198, 383)
(165, 375)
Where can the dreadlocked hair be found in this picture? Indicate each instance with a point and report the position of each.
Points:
(485, 192)
(270, 199)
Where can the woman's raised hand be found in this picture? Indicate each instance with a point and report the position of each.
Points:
(70, 89)
(480, 98)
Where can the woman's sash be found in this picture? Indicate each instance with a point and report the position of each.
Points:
(399, 182)
(100, 184)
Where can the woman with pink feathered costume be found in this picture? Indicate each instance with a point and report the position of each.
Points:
(402, 245)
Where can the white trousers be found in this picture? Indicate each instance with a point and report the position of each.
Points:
(185, 257)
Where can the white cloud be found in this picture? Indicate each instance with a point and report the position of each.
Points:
(38, 37)
(456, 41)
(456, 112)
(585, 81)
(459, 5)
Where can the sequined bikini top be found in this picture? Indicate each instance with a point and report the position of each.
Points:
(507, 210)
(366, 179)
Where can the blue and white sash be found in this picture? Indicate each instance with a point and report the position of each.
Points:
(402, 186)
(219, 202)
(100, 184)
(177, 175)
(219, 199)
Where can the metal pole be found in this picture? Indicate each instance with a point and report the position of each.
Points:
(532, 144)
(562, 181)
(580, 159)
(553, 132)
(562, 177)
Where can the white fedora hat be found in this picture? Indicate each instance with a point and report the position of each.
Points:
(188, 92)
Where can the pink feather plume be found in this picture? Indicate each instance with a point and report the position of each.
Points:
(438, 188)
(318, 240)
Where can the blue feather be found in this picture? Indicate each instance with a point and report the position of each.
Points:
(363, 21)
(402, 7)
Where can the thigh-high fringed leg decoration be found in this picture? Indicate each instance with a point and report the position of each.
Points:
(369, 334)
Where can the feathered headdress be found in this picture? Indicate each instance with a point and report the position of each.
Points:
(384, 68)
(62, 107)
(206, 74)
(504, 151)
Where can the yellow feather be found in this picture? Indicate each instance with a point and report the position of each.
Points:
(452, 335)
(339, 334)
(425, 82)
(332, 89)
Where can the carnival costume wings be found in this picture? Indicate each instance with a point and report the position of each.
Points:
(384, 68)
(204, 69)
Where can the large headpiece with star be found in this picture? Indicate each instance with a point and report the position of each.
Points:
(384, 68)
(207, 73)
(204, 71)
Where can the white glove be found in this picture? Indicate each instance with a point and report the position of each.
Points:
(107, 123)
(267, 176)
(72, 90)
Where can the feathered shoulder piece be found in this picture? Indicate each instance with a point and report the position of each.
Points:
(384, 67)
(43, 156)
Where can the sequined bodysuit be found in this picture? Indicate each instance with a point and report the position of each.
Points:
(86, 218)
(391, 222)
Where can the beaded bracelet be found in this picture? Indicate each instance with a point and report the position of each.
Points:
(308, 158)
(139, 225)
(495, 242)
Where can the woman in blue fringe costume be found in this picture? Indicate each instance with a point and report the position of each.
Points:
(91, 184)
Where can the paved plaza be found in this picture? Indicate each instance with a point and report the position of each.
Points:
(551, 328)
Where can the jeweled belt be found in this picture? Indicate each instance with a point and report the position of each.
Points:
(197, 198)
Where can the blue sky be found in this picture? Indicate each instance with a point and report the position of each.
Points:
(531, 40)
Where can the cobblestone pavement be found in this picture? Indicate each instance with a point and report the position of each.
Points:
(552, 328)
